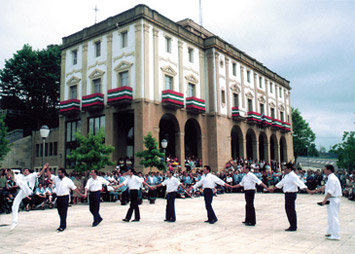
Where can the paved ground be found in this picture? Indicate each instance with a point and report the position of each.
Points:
(36, 232)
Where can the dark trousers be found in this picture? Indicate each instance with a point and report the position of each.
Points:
(133, 205)
(62, 207)
(170, 206)
(290, 208)
(125, 197)
(250, 216)
(94, 202)
(152, 194)
(208, 196)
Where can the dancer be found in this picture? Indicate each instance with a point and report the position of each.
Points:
(26, 182)
(208, 182)
(248, 182)
(332, 194)
(63, 186)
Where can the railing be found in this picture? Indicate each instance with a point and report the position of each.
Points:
(121, 95)
(69, 107)
(172, 99)
(93, 101)
(254, 117)
(196, 105)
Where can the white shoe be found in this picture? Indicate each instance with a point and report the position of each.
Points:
(333, 238)
(13, 226)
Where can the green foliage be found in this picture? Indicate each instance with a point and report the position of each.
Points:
(303, 136)
(92, 153)
(152, 157)
(29, 84)
(346, 151)
(4, 143)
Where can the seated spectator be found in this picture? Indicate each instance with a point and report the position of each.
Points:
(39, 197)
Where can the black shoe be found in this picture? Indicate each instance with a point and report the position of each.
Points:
(249, 224)
(291, 229)
(170, 221)
(244, 222)
(134, 220)
(213, 221)
(207, 221)
(125, 220)
(60, 229)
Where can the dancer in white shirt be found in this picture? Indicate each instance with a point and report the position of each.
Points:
(26, 182)
(333, 193)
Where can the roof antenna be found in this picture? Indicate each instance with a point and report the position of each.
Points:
(96, 10)
(200, 9)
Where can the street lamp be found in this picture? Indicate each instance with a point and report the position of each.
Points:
(44, 131)
(164, 144)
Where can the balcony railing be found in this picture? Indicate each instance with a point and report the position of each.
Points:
(195, 105)
(120, 96)
(69, 107)
(172, 99)
(276, 124)
(266, 121)
(254, 117)
(236, 113)
(93, 102)
(286, 127)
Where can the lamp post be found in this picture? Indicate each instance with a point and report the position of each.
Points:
(164, 144)
(44, 131)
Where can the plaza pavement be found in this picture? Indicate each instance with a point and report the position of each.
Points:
(36, 232)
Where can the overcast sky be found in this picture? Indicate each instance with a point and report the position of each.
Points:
(311, 43)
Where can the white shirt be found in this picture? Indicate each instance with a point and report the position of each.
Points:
(171, 184)
(96, 184)
(290, 183)
(63, 186)
(249, 181)
(133, 182)
(30, 179)
(333, 186)
(208, 181)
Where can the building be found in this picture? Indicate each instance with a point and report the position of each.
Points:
(139, 71)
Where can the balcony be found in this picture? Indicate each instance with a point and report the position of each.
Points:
(276, 124)
(69, 107)
(236, 114)
(93, 102)
(253, 117)
(172, 99)
(195, 105)
(286, 127)
(120, 96)
(266, 121)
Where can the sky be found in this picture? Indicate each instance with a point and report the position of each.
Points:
(311, 43)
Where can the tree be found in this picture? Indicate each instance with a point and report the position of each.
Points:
(4, 143)
(346, 151)
(29, 86)
(92, 152)
(152, 157)
(303, 136)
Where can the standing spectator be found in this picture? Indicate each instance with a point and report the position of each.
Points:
(79, 184)
(152, 180)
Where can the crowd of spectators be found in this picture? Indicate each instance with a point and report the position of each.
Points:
(44, 195)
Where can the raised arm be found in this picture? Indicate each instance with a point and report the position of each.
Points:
(49, 173)
(46, 166)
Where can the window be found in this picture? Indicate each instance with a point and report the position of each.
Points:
(124, 39)
(191, 91)
(261, 108)
(272, 113)
(73, 92)
(98, 48)
(260, 82)
(71, 128)
(234, 69)
(46, 149)
(235, 100)
(280, 90)
(250, 105)
(55, 148)
(96, 123)
(271, 89)
(223, 94)
(75, 56)
(168, 82)
(97, 85)
(282, 116)
(37, 150)
(248, 76)
(123, 78)
(168, 44)
(191, 55)
(50, 149)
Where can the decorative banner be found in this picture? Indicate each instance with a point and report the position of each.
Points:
(254, 117)
(93, 101)
(121, 94)
(69, 106)
(266, 120)
(173, 99)
(236, 112)
(286, 126)
(195, 104)
(277, 124)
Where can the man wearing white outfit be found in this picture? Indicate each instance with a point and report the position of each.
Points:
(332, 194)
(26, 182)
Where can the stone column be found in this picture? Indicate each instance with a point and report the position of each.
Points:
(62, 74)
(267, 112)
(84, 70)
(138, 60)
(255, 94)
(146, 61)
(180, 147)
(218, 89)
(156, 63)
(277, 113)
(181, 70)
(255, 145)
(211, 75)
(109, 62)
(229, 107)
(242, 86)
(202, 75)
